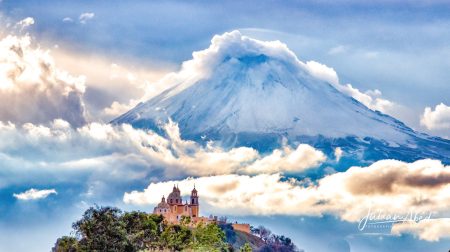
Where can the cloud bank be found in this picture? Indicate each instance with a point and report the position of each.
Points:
(34, 194)
(60, 150)
(33, 89)
(38, 90)
(390, 186)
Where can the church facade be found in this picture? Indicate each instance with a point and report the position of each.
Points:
(173, 208)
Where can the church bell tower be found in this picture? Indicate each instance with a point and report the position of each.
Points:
(194, 203)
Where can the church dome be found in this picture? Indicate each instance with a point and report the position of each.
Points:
(175, 197)
(163, 205)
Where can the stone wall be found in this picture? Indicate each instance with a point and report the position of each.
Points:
(242, 227)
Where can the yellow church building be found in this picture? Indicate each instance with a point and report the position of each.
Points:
(173, 208)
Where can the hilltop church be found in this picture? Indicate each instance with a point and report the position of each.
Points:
(173, 208)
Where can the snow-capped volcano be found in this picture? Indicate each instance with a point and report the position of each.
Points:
(242, 91)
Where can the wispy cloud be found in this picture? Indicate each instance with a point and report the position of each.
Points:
(85, 17)
(34, 194)
(338, 50)
(67, 20)
(24, 23)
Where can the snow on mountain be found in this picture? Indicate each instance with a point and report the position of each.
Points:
(241, 91)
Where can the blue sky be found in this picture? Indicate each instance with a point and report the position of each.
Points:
(116, 51)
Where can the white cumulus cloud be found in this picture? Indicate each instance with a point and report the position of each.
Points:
(33, 89)
(429, 230)
(287, 159)
(437, 119)
(34, 194)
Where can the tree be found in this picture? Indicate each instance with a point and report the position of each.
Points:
(208, 237)
(66, 244)
(176, 237)
(279, 243)
(108, 229)
(230, 234)
(246, 248)
(101, 229)
(185, 220)
(285, 242)
(263, 233)
(142, 229)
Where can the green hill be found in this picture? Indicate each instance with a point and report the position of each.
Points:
(109, 229)
(261, 239)
(241, 238)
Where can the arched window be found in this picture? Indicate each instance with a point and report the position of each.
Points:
(171, 201)
(176, 201)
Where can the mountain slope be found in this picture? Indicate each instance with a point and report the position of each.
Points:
(242, 91)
